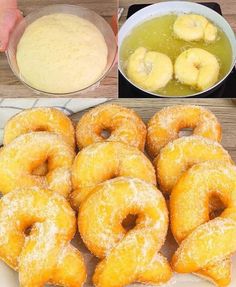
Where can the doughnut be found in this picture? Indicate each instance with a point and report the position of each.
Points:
(166, 124)
(126, 256)
(197, 68)
(205, 244)
(150, 70)
(123, 124)
(177, 156)
(20, 157)
(105, 160)
(39, 119)
(45, 255)
(192, 27)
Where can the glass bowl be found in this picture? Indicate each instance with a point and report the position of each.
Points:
(82, 12)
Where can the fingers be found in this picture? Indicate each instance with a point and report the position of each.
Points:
(4, 35)
(8, 19)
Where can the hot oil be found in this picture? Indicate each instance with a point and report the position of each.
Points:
(157, 35)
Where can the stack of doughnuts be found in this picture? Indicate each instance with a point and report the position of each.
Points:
(113, 179)
(37, 222)
(198, 177)
(97, 176)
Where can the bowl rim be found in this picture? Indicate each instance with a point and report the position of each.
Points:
(180, 3)
(90, 87)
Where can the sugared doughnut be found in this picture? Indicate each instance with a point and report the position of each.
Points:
(123, 124)
(19, 158)
(39, 119)
(105, 160)
(45, 255)
(126, 256)
(166, 124)
(177, 156)
(205, 244)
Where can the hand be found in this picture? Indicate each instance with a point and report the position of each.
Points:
(8, 19)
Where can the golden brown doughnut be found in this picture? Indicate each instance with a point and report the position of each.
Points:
(45, 255)
(166, 124)
(123, 124)
(105, 160)
(19, 158)
(205, 245)
(39, 119)
(126, 256)
(178, 156)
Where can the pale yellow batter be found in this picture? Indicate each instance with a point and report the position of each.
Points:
(61, 53)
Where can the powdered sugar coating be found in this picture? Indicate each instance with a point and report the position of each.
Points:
(123, 124)
(19, 158)
(105, 160)
(42, 256)
(204, 242)
(39, 119)
(178, 156)
(165, 125)
(132, 254)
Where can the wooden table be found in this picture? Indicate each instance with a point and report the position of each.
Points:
(228, 8)
(11, 87)
(224, 109)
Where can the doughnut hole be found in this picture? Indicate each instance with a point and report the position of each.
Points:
(27, 226)
(41, 170)
(28, 230)
(216, 205)
(40, 129)
(186, 132)
(105, 133)
(129, 222)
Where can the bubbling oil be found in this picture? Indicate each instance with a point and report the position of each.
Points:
(157, 35)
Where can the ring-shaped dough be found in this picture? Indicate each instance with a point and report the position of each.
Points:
(193, 27)
(178, 156)
(166, 124)
(123, 124)
(126, 257)
(39, 119)
(205, 245)
(105, 160)
(19, 158)
(197, 68)
(149, 69)
(45, 255)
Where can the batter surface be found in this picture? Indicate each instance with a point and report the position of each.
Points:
(61, 53)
